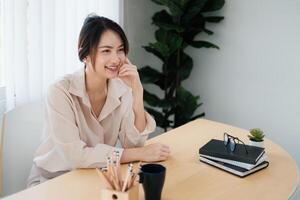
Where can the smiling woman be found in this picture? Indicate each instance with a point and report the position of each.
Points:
(88, 111)
(39, 45)
(39, 42)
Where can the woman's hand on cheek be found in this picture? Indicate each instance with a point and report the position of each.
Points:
(130, 76)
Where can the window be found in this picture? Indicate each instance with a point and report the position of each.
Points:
(38, 43)
(2, 72)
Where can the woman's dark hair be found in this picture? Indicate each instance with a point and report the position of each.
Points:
(93, 27)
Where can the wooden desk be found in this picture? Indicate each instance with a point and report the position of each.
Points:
(187, 178)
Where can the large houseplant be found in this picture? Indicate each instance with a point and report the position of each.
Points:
(177, 27)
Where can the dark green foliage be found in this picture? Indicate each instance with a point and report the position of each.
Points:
(178, 25)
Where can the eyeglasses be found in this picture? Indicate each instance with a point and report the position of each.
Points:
(232, 141)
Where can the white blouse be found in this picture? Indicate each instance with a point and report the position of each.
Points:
(74, 137)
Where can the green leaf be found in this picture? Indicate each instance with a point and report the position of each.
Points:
(182, 69)
(161, 35)
(193, 27)
(201, 44)
(193, 8)
(164, 20)
(186, 67)
(151, 99)
(174, 8)
(184, 96)
(184, 110)
(189, 35)
(174, 42)
(159, 2)
(183, 3)
(155, 101)
(172, 39)
(162, 17)
(149, 75)
(162, 48)
(214, 19)
(160, 120)
(213, 5)
(197, 22)
(209, 32)
(154, 51)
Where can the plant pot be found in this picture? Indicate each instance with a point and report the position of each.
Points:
(257, 144)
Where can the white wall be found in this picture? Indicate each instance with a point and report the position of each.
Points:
(254, 79)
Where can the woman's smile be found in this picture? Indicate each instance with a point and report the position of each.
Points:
(114, 69)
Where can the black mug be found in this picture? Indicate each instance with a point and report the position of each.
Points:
(152, 177)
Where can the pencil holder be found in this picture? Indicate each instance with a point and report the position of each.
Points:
(131, 194)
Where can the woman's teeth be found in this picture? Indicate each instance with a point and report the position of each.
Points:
(112, 68)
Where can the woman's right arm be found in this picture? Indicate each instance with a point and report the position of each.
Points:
(149, 153)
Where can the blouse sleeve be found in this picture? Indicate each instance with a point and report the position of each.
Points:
(129, 135)
(64, 133)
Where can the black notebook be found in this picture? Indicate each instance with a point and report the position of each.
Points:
(216, 148)
(239, 171)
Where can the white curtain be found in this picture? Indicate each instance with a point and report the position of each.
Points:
(40, 42)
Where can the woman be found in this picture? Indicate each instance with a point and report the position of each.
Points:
(89, 111)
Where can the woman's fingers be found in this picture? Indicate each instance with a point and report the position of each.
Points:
(166, 150)
(163, 157)
(127, 73)
(127, 66)
(127, 69)
(165, 154)
(156, 152)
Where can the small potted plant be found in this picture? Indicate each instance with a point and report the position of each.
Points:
(256, 137)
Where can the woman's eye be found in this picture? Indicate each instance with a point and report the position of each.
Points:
(106, 51)
(121, 50)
